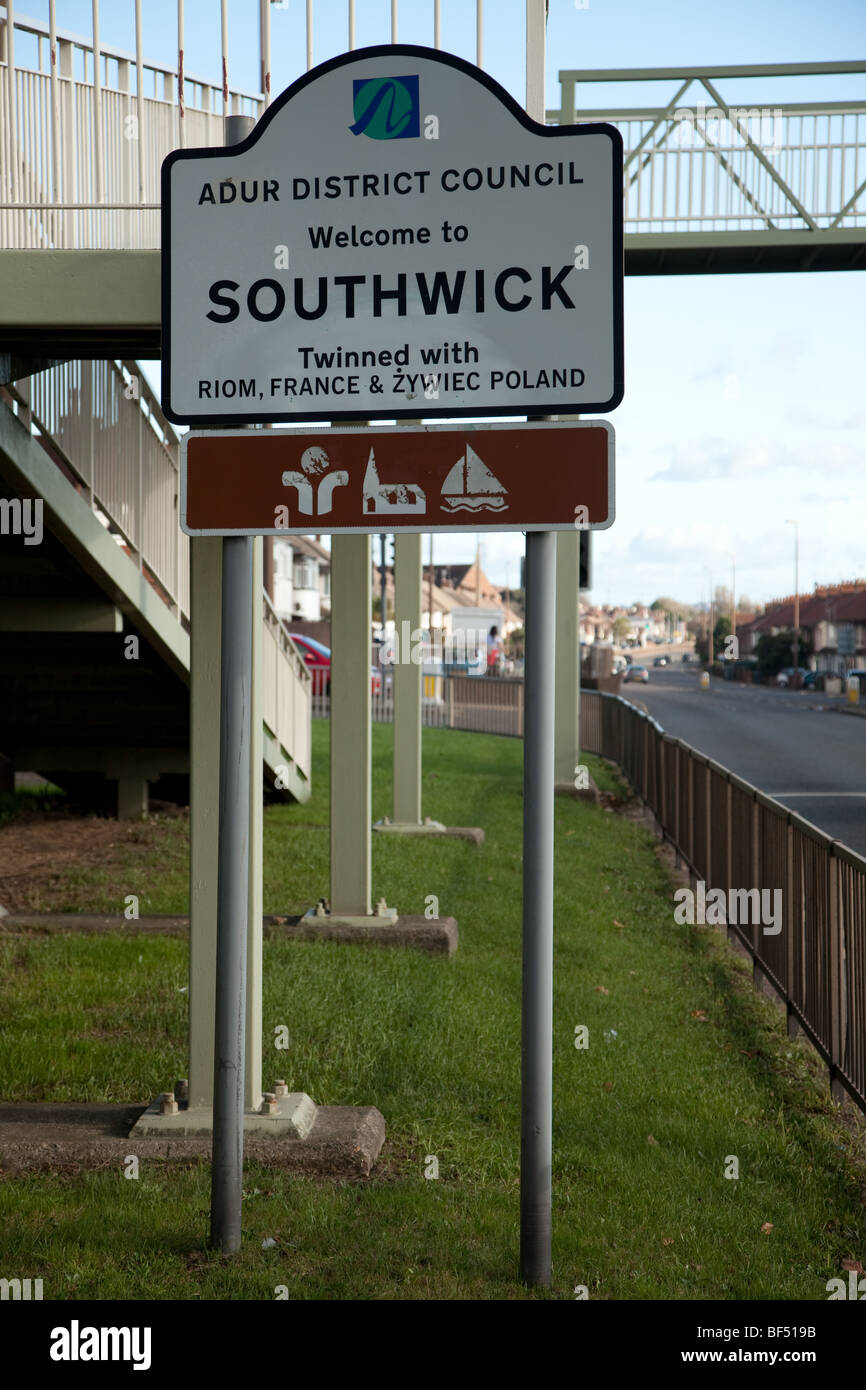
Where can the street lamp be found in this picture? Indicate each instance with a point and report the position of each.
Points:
(733, 560)
(710, 643)
(796, 526)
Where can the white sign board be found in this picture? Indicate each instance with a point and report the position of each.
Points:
(396, 238)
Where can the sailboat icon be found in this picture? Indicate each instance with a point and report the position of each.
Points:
(471, 487)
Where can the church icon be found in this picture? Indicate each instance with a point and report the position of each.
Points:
(390, 499)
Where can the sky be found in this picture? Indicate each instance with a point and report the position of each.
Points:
(745, 396)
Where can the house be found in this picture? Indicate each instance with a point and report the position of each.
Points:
(833, 619)
(302, 579)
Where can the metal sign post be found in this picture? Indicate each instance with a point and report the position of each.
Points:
(236, 677)
(232, 895)
(536, 1057)
(427, 247)
(536, 1071)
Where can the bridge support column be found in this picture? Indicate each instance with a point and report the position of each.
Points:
(253, 1049)
(132, 798)
(351, 620)
(205, 645)
(204, 698)
(408, 681)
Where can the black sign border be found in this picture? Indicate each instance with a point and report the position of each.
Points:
(442, 412)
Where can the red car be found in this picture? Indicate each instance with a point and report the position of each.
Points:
(318, 658)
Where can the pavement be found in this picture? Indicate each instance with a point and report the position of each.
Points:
(791, 744)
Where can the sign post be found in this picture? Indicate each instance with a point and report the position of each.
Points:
(427, 249)
(233, 874)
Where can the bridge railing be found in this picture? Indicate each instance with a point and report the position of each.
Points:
(104, 428)
(103, 425)
(84, 128)
(703, 162)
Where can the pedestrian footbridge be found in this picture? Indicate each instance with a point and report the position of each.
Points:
(95, 611)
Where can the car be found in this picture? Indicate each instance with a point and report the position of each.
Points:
(686, 658)
(660, 661)
(785, 676)
(637, 673)
(318, 659)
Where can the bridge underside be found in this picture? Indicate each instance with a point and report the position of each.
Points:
(106, 719)
(106, 304)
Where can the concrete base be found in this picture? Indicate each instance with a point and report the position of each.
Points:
(430, 827)
(438, 935)
(295, 1115)
(345, 1141)
(382, 917)
(589, 793)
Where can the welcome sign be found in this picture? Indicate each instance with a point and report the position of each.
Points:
(395, 238)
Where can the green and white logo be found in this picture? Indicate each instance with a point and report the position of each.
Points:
(386, 108)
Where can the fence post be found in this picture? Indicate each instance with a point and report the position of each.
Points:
(793, 1026)
(708, 845)
(729, 826)
(690, 813)
(837, 1090)
(755, 861)
(520, 710)
(645, 761)
(677, 775)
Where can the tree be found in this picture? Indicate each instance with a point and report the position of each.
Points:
(621, 629)
(776, 650)
(721, 630)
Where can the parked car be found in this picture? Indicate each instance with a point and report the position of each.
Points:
(785, 676)
(637, 673)
(660, 661)
(318, 658)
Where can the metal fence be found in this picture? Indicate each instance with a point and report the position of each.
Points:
(734, 838)
(85, 126)
(479, 704)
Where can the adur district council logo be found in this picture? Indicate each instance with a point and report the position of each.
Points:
(386, 108)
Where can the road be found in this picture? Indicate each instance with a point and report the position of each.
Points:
(791, 744)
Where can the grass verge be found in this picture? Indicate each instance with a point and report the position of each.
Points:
(686, 1068)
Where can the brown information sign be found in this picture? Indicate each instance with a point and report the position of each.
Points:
(540, 476)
